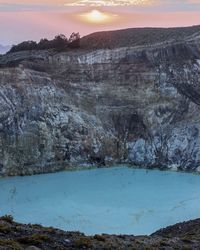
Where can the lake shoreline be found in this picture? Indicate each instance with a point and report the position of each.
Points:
(92, 167)
(117, 200)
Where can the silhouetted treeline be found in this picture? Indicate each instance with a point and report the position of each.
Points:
(59, 43)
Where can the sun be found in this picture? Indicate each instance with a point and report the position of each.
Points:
(97, 17)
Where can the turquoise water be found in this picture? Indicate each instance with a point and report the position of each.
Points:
(117, 200)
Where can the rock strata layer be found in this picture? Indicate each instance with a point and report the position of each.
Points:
(136, 105)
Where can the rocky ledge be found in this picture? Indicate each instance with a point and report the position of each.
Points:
(135, 103)
(16, 236)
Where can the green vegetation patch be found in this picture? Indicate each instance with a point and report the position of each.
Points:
(35, 239)
(12, 244)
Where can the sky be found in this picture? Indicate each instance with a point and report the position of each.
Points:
(34, 19)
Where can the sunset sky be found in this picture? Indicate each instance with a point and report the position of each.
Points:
(33, 19)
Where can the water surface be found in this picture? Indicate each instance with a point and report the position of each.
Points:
(117, 200)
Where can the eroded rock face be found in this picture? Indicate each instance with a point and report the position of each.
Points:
(137, 105)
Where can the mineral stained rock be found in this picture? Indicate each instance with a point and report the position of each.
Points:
(137, 104)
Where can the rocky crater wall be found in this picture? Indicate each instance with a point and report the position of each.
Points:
(135, 105)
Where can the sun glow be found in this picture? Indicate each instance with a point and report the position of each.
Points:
(96, 16)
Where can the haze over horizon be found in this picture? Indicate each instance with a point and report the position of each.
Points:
(21, 21)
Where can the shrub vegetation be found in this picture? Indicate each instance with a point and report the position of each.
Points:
(59, 43)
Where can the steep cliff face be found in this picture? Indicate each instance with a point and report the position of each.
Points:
(137, 105)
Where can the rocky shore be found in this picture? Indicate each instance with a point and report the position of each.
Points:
(16, 236)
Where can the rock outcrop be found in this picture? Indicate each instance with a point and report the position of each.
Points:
(138, 105)
(35, 237)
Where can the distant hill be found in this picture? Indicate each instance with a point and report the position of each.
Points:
(4, 49)
(137, 37)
